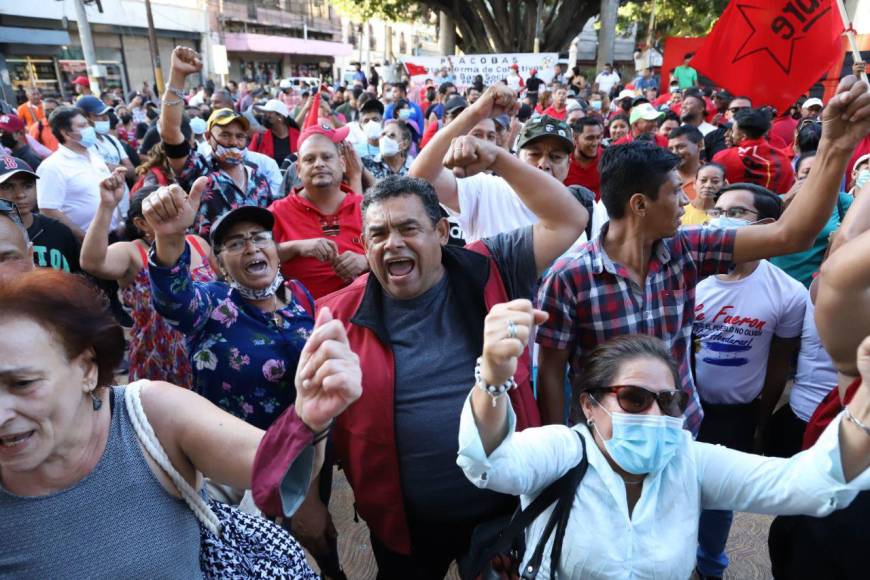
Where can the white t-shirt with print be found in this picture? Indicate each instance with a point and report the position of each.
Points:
(735, 322)
(816, 375)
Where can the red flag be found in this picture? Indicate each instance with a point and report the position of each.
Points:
(313, 112)
(771, 51)
(415, 69)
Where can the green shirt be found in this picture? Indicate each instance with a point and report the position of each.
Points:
(686, 76)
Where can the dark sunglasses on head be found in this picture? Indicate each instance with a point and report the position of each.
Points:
(10, 209)
(635, 399)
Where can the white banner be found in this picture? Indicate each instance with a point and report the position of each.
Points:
(492, 67)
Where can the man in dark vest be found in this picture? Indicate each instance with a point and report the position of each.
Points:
(416, 323)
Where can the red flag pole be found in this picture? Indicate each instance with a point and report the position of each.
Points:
(850, 34)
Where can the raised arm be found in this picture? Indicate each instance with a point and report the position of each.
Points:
(561, 218)
(185, 61)
(97, 257)
(846, 121)
(429, 164)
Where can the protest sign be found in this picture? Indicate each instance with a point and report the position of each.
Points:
(492, 67)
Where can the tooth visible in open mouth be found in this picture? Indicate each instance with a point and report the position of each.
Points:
(257, 266)
(15, 440)
(400, 267)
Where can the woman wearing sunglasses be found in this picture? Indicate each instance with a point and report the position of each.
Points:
(635, 513)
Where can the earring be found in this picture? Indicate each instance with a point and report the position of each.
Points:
(96, 402)
(591, 422)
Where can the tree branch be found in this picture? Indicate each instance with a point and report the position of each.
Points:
(480, 8)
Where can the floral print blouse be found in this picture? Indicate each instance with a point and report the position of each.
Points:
(244, 360)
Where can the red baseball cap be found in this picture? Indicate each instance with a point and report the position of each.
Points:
(334, 135)
(515, 66)
(11, 123)
(82, 81)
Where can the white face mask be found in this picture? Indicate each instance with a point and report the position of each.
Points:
(388, 147)
(373, 130)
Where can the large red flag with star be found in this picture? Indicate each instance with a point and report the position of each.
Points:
(771, 51)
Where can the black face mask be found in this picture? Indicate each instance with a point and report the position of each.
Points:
(126, 118)
(8, 140)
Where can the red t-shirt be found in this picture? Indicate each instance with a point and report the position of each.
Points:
(551, 111)
(587, 176)
(296, 218)
(660, 140)
(755, 161)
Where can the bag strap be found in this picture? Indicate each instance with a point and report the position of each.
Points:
(558, 519)
(149, 441)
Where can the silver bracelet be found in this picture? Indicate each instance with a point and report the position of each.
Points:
(494, 391)
(858, 423)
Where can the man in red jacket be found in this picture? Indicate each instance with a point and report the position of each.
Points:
(281, 135)
(753, 160)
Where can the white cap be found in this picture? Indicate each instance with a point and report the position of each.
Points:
(862, 159)
(813, 102)
(285, 84)
(274, 106)
(626, 94)
(573, 105)
(646, 112)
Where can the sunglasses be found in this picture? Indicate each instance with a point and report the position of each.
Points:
(634, 399)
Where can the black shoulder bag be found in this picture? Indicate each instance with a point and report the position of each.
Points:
(504, 538)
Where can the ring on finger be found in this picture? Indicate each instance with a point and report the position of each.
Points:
(512, 331)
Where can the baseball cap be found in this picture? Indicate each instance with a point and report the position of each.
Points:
(11, 123)
(224, 117)
(626, 94)
(285, 84)
(646, 112)
(92, 105)
(369, 103)
(274, 106)
(82, 81)
(247, 213)
(515, 66)
(454, 103)
(862, 159)
(14, 165)
(533, 71)
(503, 120)
(573, 105)
(334, 135)
(812, 102)
(546, 126)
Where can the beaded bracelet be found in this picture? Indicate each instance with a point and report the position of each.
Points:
(494, 391)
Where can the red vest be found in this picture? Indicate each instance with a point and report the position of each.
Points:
(364, 435)
(264, 143)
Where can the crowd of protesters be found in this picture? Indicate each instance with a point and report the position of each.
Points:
(455, 294)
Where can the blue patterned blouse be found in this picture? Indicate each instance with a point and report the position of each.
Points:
(243, 360)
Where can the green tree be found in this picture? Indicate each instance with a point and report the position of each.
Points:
(485, 26)
(673, 17)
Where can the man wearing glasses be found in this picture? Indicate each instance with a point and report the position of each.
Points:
(640, 274)
(746, 337)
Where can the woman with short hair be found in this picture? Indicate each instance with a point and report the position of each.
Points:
(80, 497)
(635, 513)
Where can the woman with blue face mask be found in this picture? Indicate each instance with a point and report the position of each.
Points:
(635, 512)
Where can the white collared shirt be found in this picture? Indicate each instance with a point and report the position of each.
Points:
(660, 537)
(70, 183)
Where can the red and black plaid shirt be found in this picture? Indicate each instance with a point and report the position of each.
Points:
(592, 299)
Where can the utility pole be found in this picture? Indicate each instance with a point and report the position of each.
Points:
(87, 46)
(446, 34)
(155, 50)
(539, 25)
(607, 33)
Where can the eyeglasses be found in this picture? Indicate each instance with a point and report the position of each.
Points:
(237, 245)
(635, 399)
(10, 209)
(732, 212)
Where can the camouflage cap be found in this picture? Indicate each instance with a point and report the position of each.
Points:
(546, 126)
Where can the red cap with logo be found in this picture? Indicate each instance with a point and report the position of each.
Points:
(11, 123)
(82, 81)
(325, 129)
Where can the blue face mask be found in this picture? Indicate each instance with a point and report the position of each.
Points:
(88, 137)
(405, 114)
(102, 127)
(643, 444)
(723, 222)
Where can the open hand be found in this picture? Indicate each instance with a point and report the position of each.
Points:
(328, 377)
(500, 349)
(113, 187)
(170, 211)
(468, 156)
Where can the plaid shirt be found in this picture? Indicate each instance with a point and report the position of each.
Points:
(591, 299)
(222, 194)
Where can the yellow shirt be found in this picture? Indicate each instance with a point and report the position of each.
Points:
(694, 216)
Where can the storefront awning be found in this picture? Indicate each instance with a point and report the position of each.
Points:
(242, 42)
(13, 35)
